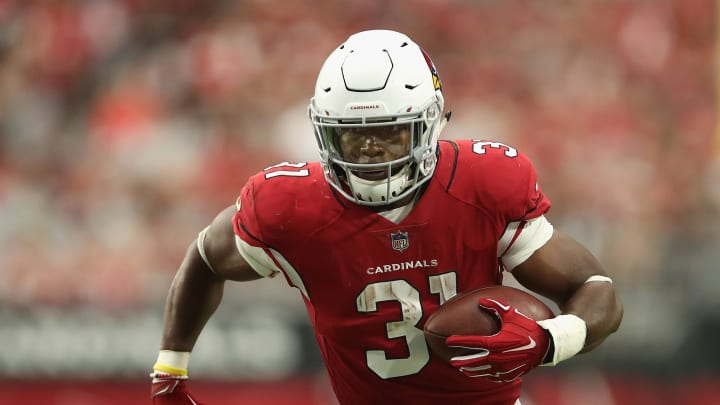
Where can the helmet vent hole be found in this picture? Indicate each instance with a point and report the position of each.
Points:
(404, 44)
(382, 198)
(327, 89)
(394, 194)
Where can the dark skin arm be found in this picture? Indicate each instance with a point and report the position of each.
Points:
(196, 290)
(558, 271)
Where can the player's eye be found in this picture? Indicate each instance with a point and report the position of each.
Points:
(396, 129)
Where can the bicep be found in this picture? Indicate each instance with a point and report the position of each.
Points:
(221, 251)
(558, 268)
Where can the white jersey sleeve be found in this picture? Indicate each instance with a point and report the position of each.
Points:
(269, 263)
(256, 257)
(521, 239)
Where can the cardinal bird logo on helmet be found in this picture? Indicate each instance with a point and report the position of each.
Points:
(433, 71)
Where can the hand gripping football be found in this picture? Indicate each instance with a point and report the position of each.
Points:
(461, 315)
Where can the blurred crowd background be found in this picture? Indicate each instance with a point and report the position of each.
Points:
(126, 125)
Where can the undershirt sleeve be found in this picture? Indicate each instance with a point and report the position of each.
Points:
(257, 258)
(521, 239)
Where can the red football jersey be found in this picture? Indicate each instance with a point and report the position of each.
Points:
(369, 284)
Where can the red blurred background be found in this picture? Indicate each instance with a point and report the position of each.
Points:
(125, 125)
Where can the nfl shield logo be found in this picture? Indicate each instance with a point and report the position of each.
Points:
(400, 241)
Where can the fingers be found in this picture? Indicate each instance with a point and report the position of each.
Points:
(471, 357)
(495, 343)
(495, 376)
(472, 363)
(473, 342)
(163, 387)
(504, 356)
(494, 305)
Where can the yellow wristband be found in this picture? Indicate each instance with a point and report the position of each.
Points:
(163, 368)
(172, 362)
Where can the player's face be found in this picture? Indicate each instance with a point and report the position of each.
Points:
(366, 145)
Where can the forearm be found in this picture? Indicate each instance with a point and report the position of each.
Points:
(561, 270)
(193, 297)
(588, 317)
(195, 293)
(597, 304)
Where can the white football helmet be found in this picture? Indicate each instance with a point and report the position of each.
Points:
(378, 78)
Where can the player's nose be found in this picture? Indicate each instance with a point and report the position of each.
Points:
(371, 146)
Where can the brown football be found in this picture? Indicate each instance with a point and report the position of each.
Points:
(461, 315)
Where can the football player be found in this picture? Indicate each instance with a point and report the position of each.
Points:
(389, 224)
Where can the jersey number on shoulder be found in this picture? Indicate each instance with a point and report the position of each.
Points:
(443, 285)
(291, 170)
(480, 147)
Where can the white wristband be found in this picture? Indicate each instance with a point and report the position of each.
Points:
(172, 362)
(600, 278)
(568, 332)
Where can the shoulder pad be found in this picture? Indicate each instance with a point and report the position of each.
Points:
(493, 176)
(285, 200)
